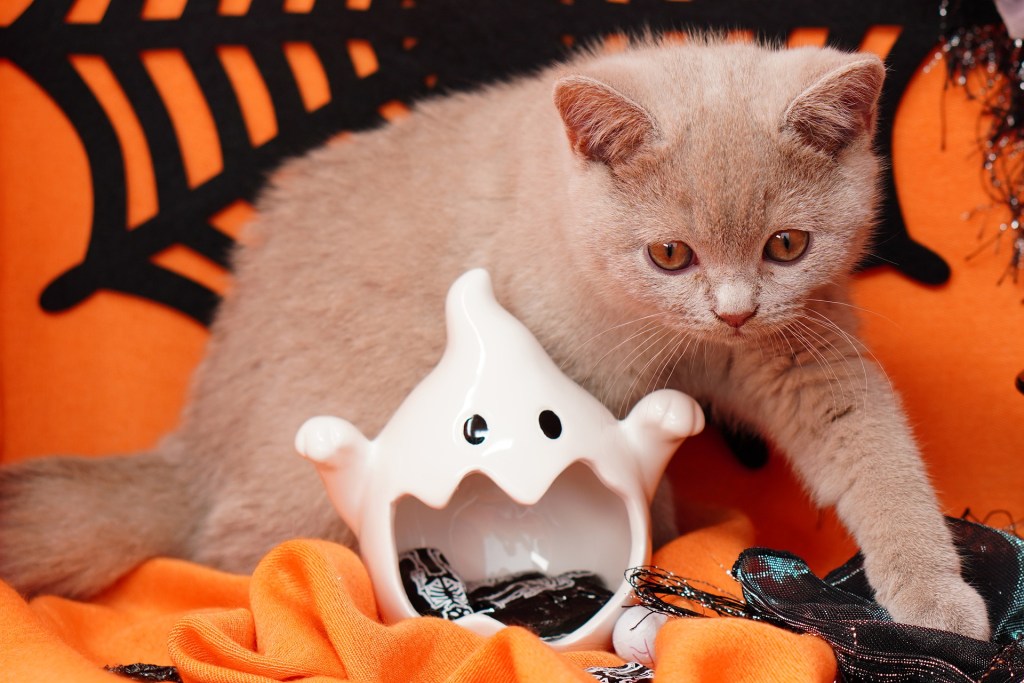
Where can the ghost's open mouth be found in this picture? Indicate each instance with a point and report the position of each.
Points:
(575, 542)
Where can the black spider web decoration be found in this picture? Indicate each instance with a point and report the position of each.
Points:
(460, 44)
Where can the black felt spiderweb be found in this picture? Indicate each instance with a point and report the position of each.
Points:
(459, 44)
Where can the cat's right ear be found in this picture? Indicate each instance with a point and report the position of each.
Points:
(601, 123)
(838, 108)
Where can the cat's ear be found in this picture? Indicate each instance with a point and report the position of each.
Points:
(602, 124)
(838, 108)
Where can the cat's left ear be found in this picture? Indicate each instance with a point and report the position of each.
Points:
(602, 124)
(838, 108)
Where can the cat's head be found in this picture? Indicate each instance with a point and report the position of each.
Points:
(720, 184)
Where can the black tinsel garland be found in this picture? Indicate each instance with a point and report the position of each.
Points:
(988, 64)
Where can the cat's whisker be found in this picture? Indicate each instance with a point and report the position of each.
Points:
(597, 336)
(835, 351)
(853, 339)
(829, 352)
(782, 336)
(857, 308)
(816, 355)
(883, 259)
(705, 344)
(638, 341)
(680, 336)
(838, 355)
(763, 336)
(637, 354)
(772, 339)
(769, 336)
(627, 397)
(672, 371)
(647, 328)
(783, 343)
(854, 345)
(659, 360)
(860, 347)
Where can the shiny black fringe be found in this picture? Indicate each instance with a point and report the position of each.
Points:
(988, 65)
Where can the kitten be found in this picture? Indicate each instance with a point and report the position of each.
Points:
(681, 215)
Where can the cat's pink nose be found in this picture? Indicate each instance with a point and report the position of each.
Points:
(735, 319)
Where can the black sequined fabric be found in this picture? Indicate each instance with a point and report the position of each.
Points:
(146, 672)
(869, 645)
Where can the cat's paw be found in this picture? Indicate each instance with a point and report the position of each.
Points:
(944, 603)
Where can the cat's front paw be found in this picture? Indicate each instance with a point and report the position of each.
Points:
(945, 603)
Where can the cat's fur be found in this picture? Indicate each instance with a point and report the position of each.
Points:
(337, 307)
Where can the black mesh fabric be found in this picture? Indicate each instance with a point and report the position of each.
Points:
(869, 645)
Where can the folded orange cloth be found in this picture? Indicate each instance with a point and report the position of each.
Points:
(308, 614)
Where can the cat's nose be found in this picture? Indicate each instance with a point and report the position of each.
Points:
(735, 319)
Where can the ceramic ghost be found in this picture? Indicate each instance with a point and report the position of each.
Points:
(505, 465)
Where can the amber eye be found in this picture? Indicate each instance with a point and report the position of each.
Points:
(673, 255)
(786, 245)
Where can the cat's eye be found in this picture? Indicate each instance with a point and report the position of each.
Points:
(550, 424)
(671, 255)
(786, 245)
(475, 430)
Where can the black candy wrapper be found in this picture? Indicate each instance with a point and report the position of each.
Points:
(432, 586)
(146, 672)
(631, 672)
(550, 606)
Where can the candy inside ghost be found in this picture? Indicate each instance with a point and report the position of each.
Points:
(497, 470)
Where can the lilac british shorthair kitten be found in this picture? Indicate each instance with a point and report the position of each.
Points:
(676, 215)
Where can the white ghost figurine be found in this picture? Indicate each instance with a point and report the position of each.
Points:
(505, 465)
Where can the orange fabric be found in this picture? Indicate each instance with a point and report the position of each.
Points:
(308, 613)
(110, 376)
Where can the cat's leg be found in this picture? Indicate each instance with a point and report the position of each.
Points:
(842, 427)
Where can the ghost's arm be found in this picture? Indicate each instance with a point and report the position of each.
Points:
(329, 441)
(655, 428)
(340, 452)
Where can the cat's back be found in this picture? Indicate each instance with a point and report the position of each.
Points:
(343, 274)
(339, 282)
(460, 160)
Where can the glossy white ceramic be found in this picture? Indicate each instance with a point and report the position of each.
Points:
(529, 492)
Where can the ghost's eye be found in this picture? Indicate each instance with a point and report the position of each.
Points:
(550, 424)
(671, 255)
(786, 245)
(475, 430)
